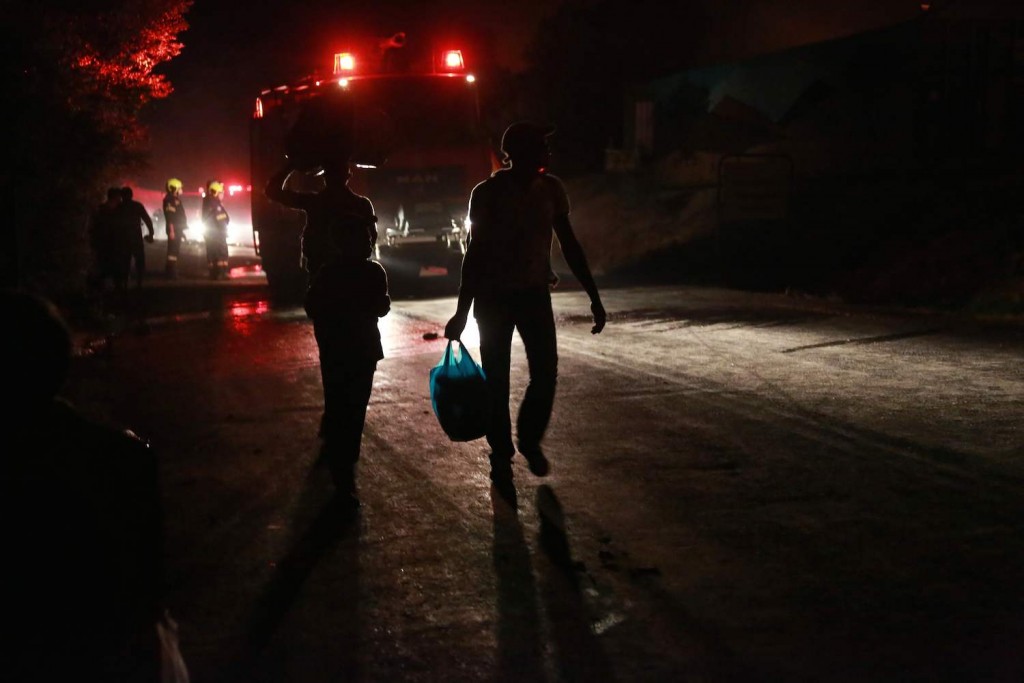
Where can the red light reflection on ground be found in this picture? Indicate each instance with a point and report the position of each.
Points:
(244, 315)
(242, 309)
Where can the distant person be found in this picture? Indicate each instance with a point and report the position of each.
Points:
(335, 200)
(175, 225)
(206, 196)
(82, 524)
(136, 216)
(215, 224)
(104, 239)
(506, 278)
(346, 297)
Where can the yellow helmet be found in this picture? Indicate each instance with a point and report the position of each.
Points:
(216, 187)
(174, 185)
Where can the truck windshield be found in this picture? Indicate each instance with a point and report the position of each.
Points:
(419, 112)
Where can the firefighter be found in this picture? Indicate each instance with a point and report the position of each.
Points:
(215, 222)
(176, 223)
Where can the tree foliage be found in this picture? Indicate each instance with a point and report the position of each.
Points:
(75, 77)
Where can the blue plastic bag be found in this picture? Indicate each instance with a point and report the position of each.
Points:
(458, 390)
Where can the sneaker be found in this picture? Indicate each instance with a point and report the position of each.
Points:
(536, 460)
(501, 478)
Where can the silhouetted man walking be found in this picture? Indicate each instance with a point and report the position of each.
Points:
(346, 297)
(507, 276)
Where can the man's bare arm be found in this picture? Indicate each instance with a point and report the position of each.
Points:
(467, 292)
(577, 261)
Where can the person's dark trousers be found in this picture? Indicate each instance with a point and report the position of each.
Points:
(217, 251)
(121, 266)
(346, 396)
(173, 251)
(139, 257)
(497, 317)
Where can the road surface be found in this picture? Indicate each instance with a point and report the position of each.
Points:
(743, 487)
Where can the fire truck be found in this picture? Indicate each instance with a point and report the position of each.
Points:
(411, 115)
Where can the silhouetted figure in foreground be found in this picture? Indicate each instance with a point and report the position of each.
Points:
(506, 278)
(346, 297)
(82, 527)
(135, 217)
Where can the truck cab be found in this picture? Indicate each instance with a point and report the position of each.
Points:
(412, 119)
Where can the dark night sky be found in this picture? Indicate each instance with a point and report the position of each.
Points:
(234, 49)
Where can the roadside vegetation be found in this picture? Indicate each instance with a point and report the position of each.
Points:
(75, 77)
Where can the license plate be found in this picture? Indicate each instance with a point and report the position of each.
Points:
(433, 271)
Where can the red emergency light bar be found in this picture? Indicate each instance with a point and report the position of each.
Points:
(452, 60)
(344, 63)
(349, 64)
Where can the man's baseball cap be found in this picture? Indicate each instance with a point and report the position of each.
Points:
(524, 135)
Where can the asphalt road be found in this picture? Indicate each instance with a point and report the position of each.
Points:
(743, 488)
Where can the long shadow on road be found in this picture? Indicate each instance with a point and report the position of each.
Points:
(520, 655)
(579, 654)
(332, 526)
